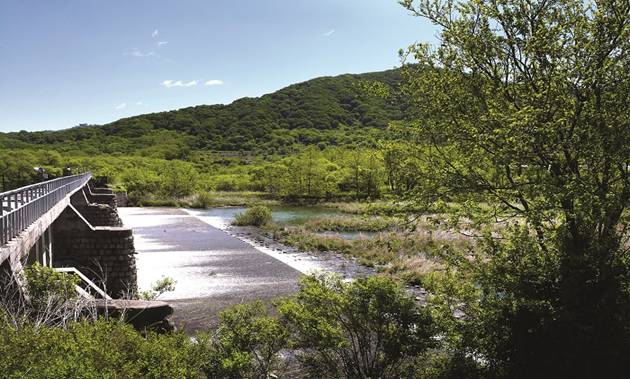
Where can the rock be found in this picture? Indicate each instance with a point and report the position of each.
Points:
(142, 314)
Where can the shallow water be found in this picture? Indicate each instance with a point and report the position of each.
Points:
(222, 217)
(216, 265)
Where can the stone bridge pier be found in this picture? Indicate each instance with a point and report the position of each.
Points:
(89, 236)
(67, 223)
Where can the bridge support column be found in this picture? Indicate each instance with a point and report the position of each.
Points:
(39, 251)
(47, 256)
(106, 255)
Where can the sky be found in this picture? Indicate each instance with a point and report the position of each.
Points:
(66, 62)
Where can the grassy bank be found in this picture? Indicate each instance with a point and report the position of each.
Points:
(351, 224)
(393, 249)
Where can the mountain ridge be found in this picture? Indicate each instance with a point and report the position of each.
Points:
(332, 110)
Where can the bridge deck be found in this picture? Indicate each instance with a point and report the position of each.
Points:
(22, 207)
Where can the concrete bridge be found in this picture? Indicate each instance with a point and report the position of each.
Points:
(68, 224)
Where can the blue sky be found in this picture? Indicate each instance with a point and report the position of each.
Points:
(65, 62)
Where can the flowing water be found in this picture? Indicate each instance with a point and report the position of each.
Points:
(216, 265)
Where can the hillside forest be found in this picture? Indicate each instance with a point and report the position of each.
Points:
(319, 140)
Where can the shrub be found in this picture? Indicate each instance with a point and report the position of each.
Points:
(95, 350)
(43, 297)
(365, 329)
(202, 200)
(258, 215)
(246, 344)
(44, 282)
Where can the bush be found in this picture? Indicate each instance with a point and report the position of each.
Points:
(246, 344)
(202, 200)
(258, 215)
(44, 282)
(41, 296)
(95, 350)
(369, 328)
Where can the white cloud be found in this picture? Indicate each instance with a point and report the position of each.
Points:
(121, 106)
(179, 83)
(139, 103)
(329, 33)
(214, 82)
(155, 34)
(171, 83)
(139, 54)
(162, 43)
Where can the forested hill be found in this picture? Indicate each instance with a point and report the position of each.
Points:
(327, 111)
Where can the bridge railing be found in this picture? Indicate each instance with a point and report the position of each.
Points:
(21, 207)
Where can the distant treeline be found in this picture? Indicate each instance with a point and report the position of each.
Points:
(309, 175)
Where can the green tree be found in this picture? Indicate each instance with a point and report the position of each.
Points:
(246, 344)
(139, 183)
(522, 112)
(178, 178)
(16, 168)
(364, 171)
(365, 329)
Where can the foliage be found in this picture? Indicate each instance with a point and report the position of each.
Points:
(313, 174)
(95, 350)
(364, 329)
(178, 179)
(258, 215)
(16, 167)
(246, 344)
(159, 288)
(44, 283)
(41, 296)
(202, 200)
(521, 114)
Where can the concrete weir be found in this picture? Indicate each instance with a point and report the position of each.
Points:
(67, 223)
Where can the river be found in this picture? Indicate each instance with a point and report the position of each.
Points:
(215, 265)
